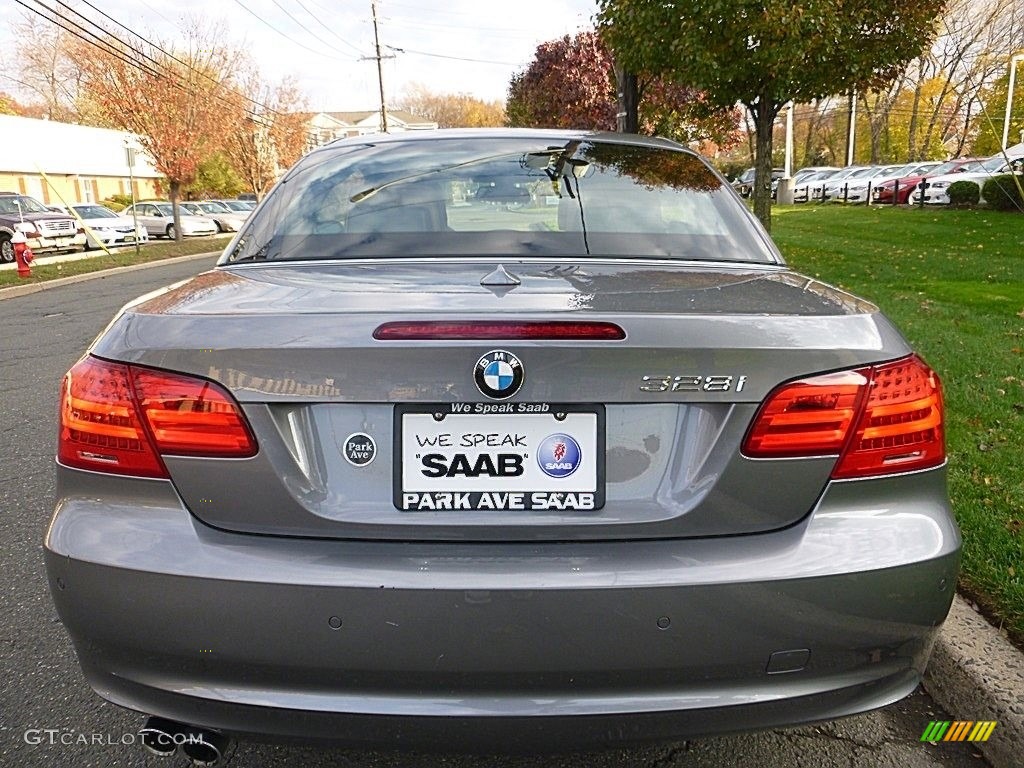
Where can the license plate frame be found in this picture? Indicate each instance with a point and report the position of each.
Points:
(579, 496)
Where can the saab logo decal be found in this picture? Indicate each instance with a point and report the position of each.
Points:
(500, 465)
(559, 455)
(498, 374)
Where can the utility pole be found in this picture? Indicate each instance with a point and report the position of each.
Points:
(851, 130)
(380, 69)
(627, 120)
(1009, 97)
(789, 141)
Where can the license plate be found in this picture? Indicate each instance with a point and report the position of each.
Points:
(499, 456)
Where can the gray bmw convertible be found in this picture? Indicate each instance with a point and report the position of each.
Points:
(490, 438)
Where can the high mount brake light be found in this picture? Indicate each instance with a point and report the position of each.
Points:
(434, 330)
(879, 420)
(119, 418)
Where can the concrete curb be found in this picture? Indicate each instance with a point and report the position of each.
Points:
(975, 673)
(25, 290)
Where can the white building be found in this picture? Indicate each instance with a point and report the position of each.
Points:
(80, 163)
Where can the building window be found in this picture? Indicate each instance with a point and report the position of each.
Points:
(87, 191)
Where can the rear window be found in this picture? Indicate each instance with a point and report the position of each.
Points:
(510, 197)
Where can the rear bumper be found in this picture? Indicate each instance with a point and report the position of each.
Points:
(488, 645)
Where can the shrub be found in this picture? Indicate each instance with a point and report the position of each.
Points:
(117, 202)
(1003, 193)
(963, 193)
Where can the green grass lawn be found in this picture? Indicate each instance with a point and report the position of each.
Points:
(154, 251)
(953, 281)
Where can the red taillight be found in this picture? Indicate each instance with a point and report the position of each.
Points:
(880, 420)
(119, 418)
(191, 417)
(487, 330)
(900, 427)
(100, 428)
(810, 417)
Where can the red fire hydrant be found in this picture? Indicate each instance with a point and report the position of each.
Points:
(22, 254)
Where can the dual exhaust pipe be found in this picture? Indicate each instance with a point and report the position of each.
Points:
(202, 746)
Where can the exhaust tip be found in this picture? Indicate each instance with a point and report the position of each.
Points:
(160, 737)
(205, 747)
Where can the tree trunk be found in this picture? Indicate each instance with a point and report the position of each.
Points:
(175, 195)
(764, 124)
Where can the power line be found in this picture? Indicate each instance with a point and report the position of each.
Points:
(96, 42)
(165, 53)
(302, 26)
(461, 29)
(453, 58)
(290, 39)
(321, 23)
(97, 26)
(162, 70)
(110, 50)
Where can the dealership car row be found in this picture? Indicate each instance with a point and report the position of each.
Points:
(85, 226)
(916, 183)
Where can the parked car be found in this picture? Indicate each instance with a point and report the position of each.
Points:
(744, 184)
(834, 187)
(908, 180)
(821, 191)
(225, 219)
(809, 188)
(44, 230)
(157, 217)
(106, 227)
(412, 468)
(810, 170)
(239, 206)
(934, 189)
(859, 188)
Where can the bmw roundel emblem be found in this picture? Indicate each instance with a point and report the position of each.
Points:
(559, 455)
(498, 374)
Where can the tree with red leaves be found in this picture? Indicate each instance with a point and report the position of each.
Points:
(181, 104)
(571, 84)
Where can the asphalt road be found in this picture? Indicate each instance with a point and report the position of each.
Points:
(41, 687)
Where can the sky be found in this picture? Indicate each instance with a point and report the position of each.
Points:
(321, 42)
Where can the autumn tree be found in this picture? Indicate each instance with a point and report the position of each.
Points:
(270, 134)
(765, 54)
(570, 83)
(452, 110)
(47, 71)
(11, 106)
(180, 101)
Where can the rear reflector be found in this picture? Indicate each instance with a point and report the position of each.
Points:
(432, 330)
(120, 419)
(879, 420)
